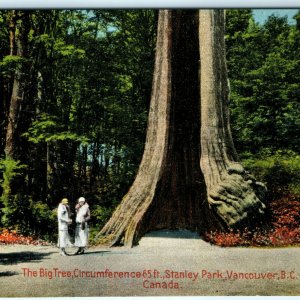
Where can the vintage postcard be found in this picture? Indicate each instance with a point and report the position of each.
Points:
(149, 152)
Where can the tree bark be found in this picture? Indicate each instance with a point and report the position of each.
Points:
(170, 190)
(22, 28)
(232, 192)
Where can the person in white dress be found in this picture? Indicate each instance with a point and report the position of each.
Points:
(83, 215)
(63, 217)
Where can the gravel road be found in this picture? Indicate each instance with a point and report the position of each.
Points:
(165, 263)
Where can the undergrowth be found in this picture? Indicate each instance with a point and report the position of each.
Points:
(281, 227)
(12, 237)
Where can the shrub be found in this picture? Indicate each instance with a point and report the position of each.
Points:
(13, 208)
(284, 236)
(17, 212)
(279, 170)
(44, 221)
(101, 214)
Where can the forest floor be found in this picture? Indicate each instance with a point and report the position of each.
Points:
(180, 262)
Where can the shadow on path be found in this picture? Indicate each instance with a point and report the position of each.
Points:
(8, 273)
(96, 252)
(180, 234)
(20, 257)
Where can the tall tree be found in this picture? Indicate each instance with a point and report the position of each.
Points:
(171, 190)
(263, 71)
(19, 30)
(5, 78)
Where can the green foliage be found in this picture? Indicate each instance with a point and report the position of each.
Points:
(64, 50)
(44, 220)
(101, 214)
(4, 45)
(48, 129)
(17, 213)
(9, 64)
(263, 64)
(9, 168)
(14, 207)
(297, 18)
(279, 170)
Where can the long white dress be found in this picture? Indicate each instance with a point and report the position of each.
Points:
(82, 229)
(63, 218)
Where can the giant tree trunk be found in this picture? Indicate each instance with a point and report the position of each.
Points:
(170, 189)
(232, 192)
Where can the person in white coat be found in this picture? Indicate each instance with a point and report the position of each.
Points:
(83, 215)
(63, 217)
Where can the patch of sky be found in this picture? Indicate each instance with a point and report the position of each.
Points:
(261, 15)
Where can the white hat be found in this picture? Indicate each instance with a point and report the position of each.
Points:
(81, 199)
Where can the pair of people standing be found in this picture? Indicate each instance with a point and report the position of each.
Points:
(64, 220)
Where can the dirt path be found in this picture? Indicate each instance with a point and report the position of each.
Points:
(164, 263)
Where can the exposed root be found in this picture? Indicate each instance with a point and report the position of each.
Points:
(236, 199)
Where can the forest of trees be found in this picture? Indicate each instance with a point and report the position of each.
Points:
(75, 90)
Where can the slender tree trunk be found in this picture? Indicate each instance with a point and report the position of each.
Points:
(6, 81)
(170, 190)
(12, 29)
(12, 146)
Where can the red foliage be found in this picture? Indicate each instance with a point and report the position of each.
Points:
(11, 237)
(286, 212)
(223, 239)
(285, 236)
(281, 229)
